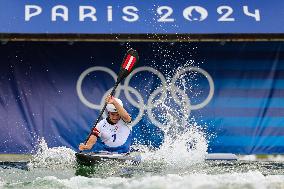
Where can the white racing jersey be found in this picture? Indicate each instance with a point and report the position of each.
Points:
(116, 137)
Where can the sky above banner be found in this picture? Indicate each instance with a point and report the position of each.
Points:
(136, 17)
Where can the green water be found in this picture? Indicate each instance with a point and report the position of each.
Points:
(173, 166)
(206, 174)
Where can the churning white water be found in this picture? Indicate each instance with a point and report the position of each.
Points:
(56, 157)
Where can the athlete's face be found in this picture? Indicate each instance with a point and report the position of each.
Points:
(114, 117)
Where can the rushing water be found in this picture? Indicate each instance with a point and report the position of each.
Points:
(166, 167)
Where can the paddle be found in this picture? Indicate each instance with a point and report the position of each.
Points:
(131, 58)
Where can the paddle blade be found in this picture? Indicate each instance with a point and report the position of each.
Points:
(130, 60)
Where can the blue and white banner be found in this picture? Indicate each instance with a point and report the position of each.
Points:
(55, 91)
(137, 17)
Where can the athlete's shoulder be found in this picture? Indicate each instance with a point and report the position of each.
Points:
(122, 122)
(102, 122)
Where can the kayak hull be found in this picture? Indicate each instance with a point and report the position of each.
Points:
(95, 158)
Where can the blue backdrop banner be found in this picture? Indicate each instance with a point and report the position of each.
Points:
(155, 16)
(55, 89)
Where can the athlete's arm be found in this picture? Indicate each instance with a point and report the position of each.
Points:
(120, 110)
(90, 143)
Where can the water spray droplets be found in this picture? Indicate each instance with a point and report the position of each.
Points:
(52, 158)
(181, 149)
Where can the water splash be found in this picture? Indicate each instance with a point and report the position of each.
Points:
(52, 158)
(183, 149)
(185, 142)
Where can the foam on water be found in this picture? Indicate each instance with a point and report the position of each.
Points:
(251, 180)
(1, 183)
(52, 158)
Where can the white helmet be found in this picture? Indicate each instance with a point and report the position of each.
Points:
(111, 107)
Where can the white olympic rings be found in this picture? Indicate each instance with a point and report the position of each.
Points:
(150, 105)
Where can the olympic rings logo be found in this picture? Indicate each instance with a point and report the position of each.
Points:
(162, 89)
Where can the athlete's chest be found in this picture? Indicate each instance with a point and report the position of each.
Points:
(107, 130)
(114, 134)
(110, 128)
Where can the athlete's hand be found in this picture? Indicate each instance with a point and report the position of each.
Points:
(110, 99)
(83, 147)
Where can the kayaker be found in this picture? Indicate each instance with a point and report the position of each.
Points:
(114, 131)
